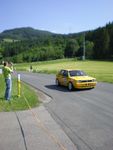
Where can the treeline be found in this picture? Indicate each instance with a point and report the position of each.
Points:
(103, 42)
(98, 44)
(33, 50)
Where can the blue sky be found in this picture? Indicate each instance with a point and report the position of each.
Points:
(59, 16)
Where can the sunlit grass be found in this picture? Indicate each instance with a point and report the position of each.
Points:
(102, 70)
(17, 103)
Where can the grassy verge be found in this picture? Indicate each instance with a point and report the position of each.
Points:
(17, 103)
(102, 70)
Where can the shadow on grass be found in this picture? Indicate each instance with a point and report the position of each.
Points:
(13, 97)
(2, 99)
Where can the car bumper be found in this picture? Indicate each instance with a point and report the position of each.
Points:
(84, 85)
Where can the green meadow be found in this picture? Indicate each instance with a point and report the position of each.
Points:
(101, 70)
(17, 103)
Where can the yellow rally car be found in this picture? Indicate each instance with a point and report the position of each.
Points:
(77, 79)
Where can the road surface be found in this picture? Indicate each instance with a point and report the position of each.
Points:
(86, 116)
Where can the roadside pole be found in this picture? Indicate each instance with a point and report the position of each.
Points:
(83, 57)
(18, 84)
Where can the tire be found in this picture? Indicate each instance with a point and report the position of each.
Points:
(57, 82)
(70, 86)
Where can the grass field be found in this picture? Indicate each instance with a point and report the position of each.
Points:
(102, 70)
(17, 103)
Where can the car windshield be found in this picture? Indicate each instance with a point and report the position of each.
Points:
(77, 73)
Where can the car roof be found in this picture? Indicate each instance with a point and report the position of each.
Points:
(70, 69)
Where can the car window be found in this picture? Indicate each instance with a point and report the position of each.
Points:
(77, 73)
(65, 74)
(61, 72)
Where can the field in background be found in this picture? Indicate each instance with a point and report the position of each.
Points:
(102, 70)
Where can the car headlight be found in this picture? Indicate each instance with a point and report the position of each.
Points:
(79, 81)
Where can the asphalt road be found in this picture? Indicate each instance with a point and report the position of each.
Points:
(86, 116)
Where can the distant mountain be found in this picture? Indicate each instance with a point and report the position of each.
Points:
(27, 44)
(25, 33)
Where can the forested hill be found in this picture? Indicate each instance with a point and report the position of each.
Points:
(26, 33)
(28, 44)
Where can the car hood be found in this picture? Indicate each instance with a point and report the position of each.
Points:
(82, 78)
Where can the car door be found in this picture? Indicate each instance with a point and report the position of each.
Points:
(65, 78)
(60, 77)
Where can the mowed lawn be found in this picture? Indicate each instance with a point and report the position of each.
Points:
(102, 70)
(17, 103)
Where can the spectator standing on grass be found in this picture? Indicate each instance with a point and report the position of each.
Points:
(7, 70)
(31, 68)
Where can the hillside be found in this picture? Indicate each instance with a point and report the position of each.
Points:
(26, 33)
(29, 45)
